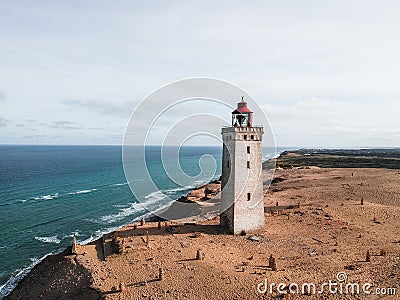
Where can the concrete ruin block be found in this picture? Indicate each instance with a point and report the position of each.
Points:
(121, 287)
(74, 249)
(368, 256)
(273, 264)
(160, 274)
(270, 260)
(199, 255)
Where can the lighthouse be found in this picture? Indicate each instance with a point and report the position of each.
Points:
(242, 205)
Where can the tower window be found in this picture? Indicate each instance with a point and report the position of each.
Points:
(245, 136)
(248, 149)
(248, 164)
(252, 137)
(248, 196)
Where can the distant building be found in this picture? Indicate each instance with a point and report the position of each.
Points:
(242, 202)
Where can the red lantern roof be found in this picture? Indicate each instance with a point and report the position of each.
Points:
(242, 108)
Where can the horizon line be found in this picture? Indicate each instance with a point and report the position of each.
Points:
(159, 145)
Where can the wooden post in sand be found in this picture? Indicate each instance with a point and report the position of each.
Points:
(362, 201)
(368, 256)
(142, 221)
(74, 249)
(121, 287)
(160, 274)
(199, 255)
(134, 226)
(272, 263)
(147, 238)
(159, 225)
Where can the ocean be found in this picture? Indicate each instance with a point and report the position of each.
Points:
(50, 193)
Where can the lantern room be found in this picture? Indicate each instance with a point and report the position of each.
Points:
(242, 116)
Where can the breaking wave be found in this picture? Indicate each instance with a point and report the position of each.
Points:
(120, 184)
(82, 192)
(51, 196)
(48, 239)
(19, 274)
(134, 208)
(47, 197)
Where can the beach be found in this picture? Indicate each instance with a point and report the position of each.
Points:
(319, 222)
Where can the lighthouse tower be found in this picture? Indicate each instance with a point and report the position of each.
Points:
(242, 205)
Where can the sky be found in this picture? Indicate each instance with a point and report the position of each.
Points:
(326, 73)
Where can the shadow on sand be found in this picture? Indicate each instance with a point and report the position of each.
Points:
(174, 229)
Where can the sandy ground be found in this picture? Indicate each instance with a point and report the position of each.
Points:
(329, 233)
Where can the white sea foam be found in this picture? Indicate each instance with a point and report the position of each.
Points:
(201, 182)
(180, 189)
(99, 233)
(83, 192)
(56, 195)
(150, 213)
(92, 220)
(88, 240)
(69, 236)
(156, 197)
(47, 197)
(12, 282)
(120, 205)
(163, 194)
(48, 239)
(120, 184)
(134, 208)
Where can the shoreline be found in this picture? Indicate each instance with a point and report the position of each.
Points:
(150, 218)
(13, 281)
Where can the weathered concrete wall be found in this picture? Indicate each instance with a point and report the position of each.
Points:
(238, 180)
(227, 185)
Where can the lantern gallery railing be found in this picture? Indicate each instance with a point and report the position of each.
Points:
(237, 128)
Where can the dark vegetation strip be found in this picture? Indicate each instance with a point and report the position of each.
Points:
(326, 158)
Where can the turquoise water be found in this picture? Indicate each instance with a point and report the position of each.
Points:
(49, 193)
